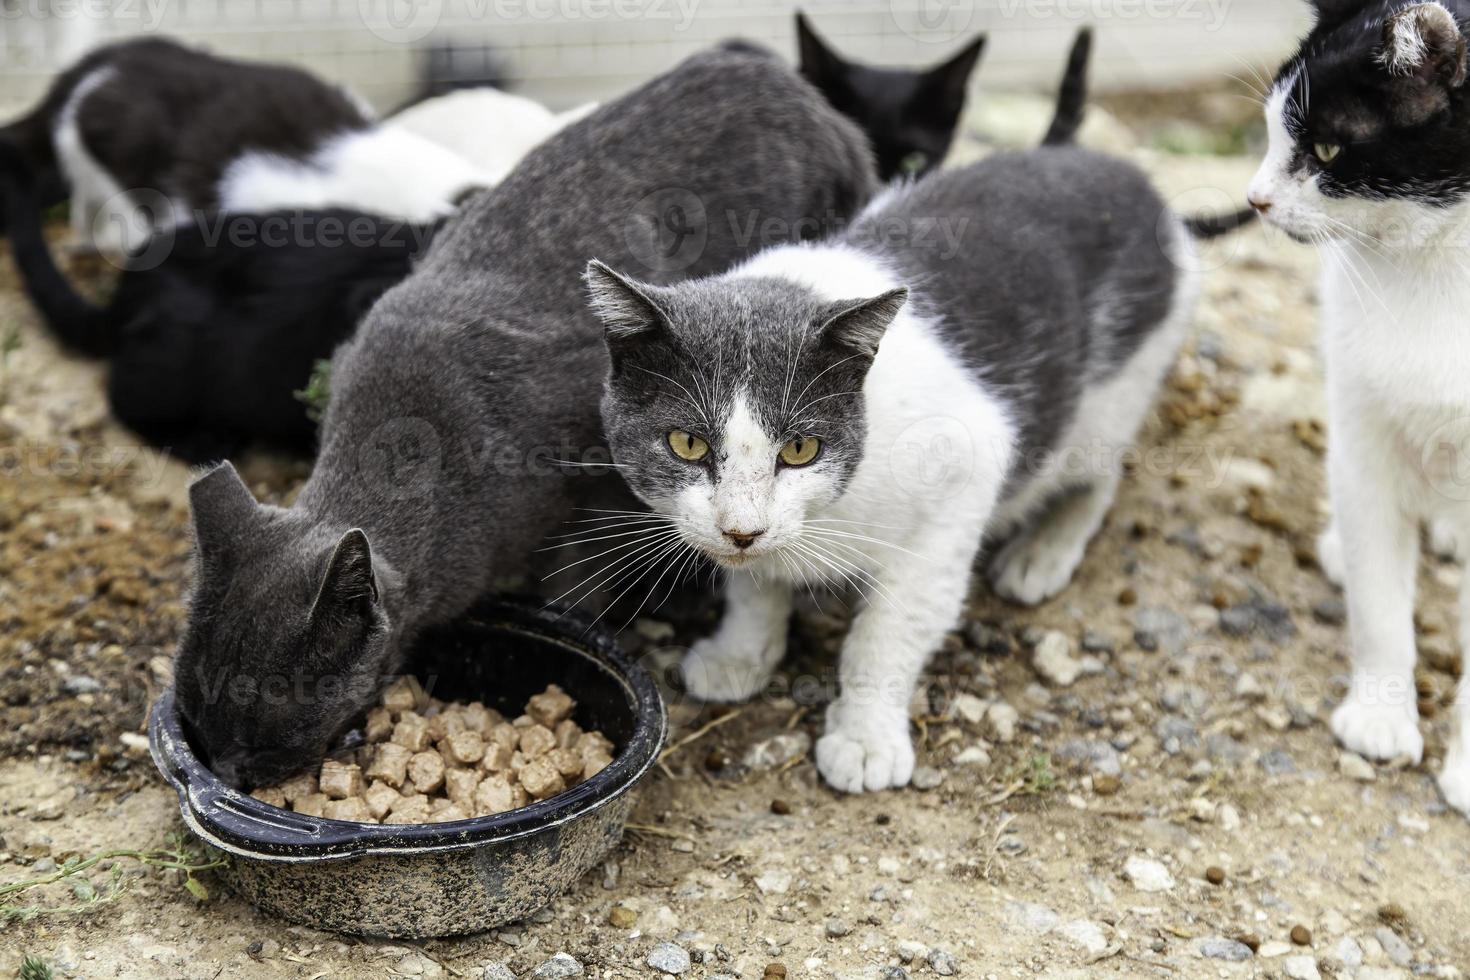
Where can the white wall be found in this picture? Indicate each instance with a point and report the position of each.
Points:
(568, 51)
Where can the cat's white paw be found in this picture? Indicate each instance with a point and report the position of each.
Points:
(1329, 555)
(1454, 780)
(867, 749)
(1444, 539)
(1378, 730)
(1035, 566)
(714, 673)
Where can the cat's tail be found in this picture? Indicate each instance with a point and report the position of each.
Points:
(77, 323)
(1072, 96)
(1206, 226)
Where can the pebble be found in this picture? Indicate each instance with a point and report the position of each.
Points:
(1053, 660)
(1258, 616)
(1331, 611)
(987, 638)
(781, 808)
(1100, 757)
(669, 958)
(777, 750)
(970, 708)
(1301, 968)
(837, 928)
(975, 755)
(1003, 719)
(622, 917)
(776, 881)
(943, 963)
(1165, 629)
(497, 971)
(893, 973)
(1348, 952)
(1277, 762)
(1096, 642)
(775, 971)
(927, 777)
(558, 967)
(1176, 735)
(1088, 935)
(1356, 767)
(1395, 948)
(908, 950)
(1032, 917)
(1229, 950)
(1301, 935)
(1215, 875)
(81, 684)
(1148, 875)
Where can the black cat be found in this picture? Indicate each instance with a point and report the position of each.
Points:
(210, 340)
(909, 116)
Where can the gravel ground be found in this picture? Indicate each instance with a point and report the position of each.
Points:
(1134, 780)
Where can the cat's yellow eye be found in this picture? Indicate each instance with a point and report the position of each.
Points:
(1327, 152)
(688, 446)
(800, 451)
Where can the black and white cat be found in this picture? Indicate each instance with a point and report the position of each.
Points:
(867, 411)
(909, 115)
(464, 387)
(1369, 158)
(209, 346)
(146, 133)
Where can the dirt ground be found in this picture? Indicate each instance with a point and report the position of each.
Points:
(1178, 810)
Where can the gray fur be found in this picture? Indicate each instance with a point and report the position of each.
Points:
(466, 380)
(1063, 268)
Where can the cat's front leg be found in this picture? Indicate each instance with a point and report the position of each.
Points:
(912, 602)
(735, 663)
(1379, 717)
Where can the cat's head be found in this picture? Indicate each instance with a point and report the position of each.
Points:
(735, 405)
(1369, 125)
(288, 634)
(909, 116)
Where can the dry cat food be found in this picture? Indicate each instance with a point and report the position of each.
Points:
(428, 761)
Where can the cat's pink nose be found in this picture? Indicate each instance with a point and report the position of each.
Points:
(743, 539)
(1260, 204)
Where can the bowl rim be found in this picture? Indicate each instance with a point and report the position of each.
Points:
(242, 825)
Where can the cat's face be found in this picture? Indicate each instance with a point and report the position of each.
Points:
(287, 638)
(1368, 126)
(735, 405)
(908, 116)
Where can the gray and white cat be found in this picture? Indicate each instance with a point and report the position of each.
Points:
(465, 386)
(867, 411)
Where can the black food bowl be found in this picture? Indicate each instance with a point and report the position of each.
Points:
(420, 880)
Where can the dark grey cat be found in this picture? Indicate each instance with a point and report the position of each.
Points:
(973, 356)
(467, 383)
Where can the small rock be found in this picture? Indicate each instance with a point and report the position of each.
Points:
(927, 777)
(776, 881)
(497, 971)
(908, 950)
(81, 684)
(558, 967)
(781, 808)
(1095, 642)
(622, 917)
(1032, 917)
(1258, 617)
(1354, 766)
(775, 971)
(1106, 785)
(1277, 763)
(1088, 935)
(1148, 875)
(893, 973)
(1348, 952)
(1331, 611)
(1003, 719)
(1396, 949)
(837, 928)
(1100, 758)
(943, 963)
(970, 708)
(1301, 968)
(987, 638)
(1215, 875)
(973, 756)
(1301, 935)
(1228, 950)
(669, 958)
(1176, 735)
(1053, 660)
(776, 751)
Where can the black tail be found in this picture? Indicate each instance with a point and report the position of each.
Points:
(1072, 97)
(77, 323)
(1206, 226)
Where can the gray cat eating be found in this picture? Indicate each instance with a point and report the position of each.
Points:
(465, 385)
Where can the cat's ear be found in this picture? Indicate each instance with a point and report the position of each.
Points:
(948, 82)
(627, 308)
(224, 509)
(817, 63)
(1423, 41)
(859, 325)
(349, 586)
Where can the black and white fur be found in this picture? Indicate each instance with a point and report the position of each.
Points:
(1369, 158)
(957, 353)
(146, 133)
(209, 346)
(909, 115)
